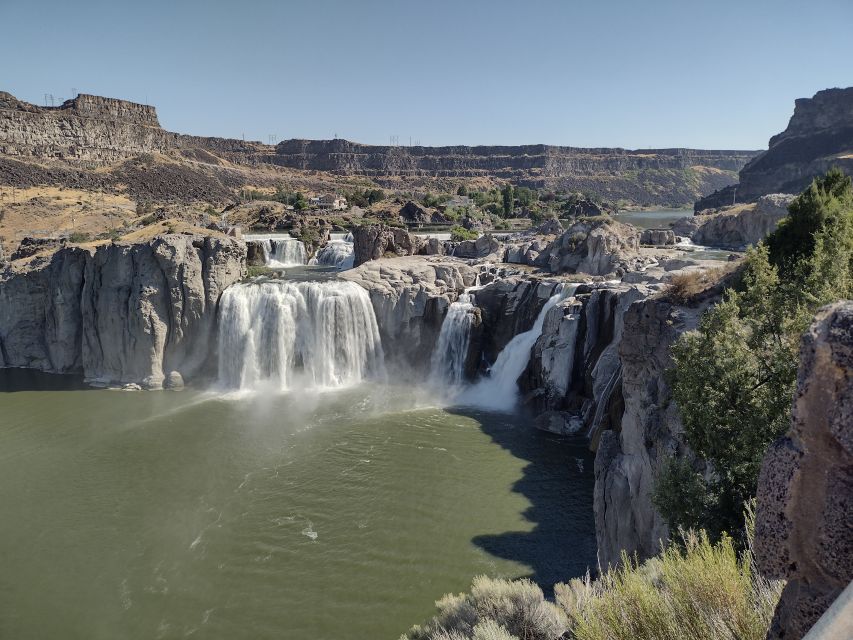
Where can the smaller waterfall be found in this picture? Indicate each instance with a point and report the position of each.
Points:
(500, 390)
(447, 365)
(283, 335)
(337, 252)
(280, 250)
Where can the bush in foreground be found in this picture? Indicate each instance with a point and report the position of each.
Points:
(693, 591)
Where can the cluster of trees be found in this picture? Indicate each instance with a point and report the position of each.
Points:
(734, 377)
(365, 197)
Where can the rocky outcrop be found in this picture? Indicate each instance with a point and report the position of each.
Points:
(803, 529)
(658, 237)
(574, 372)
(412, 212)
(819, 136)
(118, 313)
(738, 226)
(410, 296)
(596, 247)
(630, 455)
(486, 246)
(372, 242)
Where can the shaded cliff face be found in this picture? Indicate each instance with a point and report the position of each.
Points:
(819, 136)
(805, 491)
(118, 313)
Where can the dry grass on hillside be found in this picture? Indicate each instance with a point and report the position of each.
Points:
(691, 286)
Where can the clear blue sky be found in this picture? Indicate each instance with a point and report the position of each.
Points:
(632, 73)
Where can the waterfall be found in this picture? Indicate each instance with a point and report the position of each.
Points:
(447, 366)
(280, 250)
(500, 390)
(338, 253)
(289, 335)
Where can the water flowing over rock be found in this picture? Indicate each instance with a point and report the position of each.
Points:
(337, 252)
(276, 250)
(499, 391)
(449, 362)
(410, 296)
(118, 313)
(803, 528)
(297, 334)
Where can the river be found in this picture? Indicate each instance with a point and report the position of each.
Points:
(310, 515)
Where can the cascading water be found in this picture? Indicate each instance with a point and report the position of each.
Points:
(500, 390)
(447, 366)
(280, 250)
(338, 253)
(297, 334)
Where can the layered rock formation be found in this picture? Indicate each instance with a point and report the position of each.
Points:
(819, 136)
(118, 313)
(663, 172)
(372, 242)
(803, 530)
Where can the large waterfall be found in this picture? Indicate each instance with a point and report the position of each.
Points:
(500, 390)
(338, 252)
(287, 335)
(447, 367)
(280, 250)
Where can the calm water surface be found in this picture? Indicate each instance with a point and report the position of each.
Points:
(338, 515)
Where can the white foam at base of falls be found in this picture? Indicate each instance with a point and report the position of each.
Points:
(499, 391)
(285, 335)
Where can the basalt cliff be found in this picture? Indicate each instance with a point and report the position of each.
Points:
(819, 136)
(88, 131)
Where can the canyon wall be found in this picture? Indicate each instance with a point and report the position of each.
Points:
(141, 313)
(819, 136)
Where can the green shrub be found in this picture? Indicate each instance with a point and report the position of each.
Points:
(459, 233)
(79, 237)
(695, 590)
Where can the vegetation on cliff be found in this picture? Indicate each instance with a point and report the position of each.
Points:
(697, 590)
(734, 377)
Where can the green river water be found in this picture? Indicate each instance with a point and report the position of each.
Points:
(336, 515)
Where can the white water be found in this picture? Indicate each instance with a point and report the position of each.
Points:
(280, 249)
(500, 390)
(447, 366)
(338, 252)
(285, 335)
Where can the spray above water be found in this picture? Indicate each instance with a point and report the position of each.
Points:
(286, 335)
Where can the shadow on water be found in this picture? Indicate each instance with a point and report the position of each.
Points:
(34, 380)
(558, 482)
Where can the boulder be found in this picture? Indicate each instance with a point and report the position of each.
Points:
(658, 237)
(595, 247)
(480, 248)
(803, 531)
(372, 242)
(412, 212)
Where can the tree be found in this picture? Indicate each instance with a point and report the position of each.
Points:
(508, 200)
(462, 190)
(734, 376)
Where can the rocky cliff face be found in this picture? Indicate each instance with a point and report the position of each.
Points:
(819, 136)
(630, 455)
(739, 226)
(597, 247)
(571, 168)
(805, 491)
(118, 313)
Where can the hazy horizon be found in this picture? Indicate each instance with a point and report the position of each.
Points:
(661, 75)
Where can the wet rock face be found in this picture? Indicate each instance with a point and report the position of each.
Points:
(805, 490)
(119, 313)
